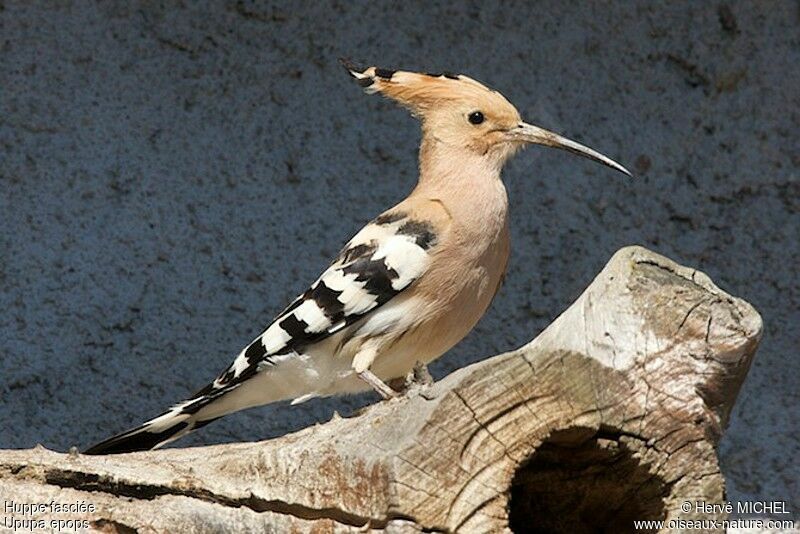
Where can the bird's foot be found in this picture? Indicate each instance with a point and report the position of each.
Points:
(418, 381)
(419, 375)
(377, 384)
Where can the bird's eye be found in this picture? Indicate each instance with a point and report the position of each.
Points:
(476, 117)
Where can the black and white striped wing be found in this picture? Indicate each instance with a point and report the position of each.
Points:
(381, 261)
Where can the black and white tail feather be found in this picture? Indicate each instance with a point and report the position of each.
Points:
(381, 261)
(153, 434)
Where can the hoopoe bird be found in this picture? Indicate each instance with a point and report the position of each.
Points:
(407, 287)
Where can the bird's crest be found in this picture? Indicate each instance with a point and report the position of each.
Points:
(416, 90)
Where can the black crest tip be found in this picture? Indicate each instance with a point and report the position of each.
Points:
(350, 66)
(386, 74)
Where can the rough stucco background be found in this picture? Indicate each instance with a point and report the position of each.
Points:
(173, 174)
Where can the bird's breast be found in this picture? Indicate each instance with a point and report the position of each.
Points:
(465, 272)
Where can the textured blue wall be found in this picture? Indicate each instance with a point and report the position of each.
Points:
(171, 176)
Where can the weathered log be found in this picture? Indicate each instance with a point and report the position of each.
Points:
(611, 415)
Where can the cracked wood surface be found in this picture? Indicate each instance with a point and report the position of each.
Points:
(613, 413)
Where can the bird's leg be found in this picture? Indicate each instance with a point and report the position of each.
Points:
(420, 375)
(377, 384)
(417, 377)
(361, 364)
(420, 382)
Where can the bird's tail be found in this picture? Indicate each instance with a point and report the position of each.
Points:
(153, 434)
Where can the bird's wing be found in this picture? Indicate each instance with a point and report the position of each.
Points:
(381, 261)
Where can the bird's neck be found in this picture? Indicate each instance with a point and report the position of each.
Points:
(445, 166)
(466, 183)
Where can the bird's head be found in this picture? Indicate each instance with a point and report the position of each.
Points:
(461, 112)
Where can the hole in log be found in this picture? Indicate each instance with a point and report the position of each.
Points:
(584, 481)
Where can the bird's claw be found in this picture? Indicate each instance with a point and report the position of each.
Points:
(419, 375)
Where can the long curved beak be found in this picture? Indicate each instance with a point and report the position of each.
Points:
(529, 133)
